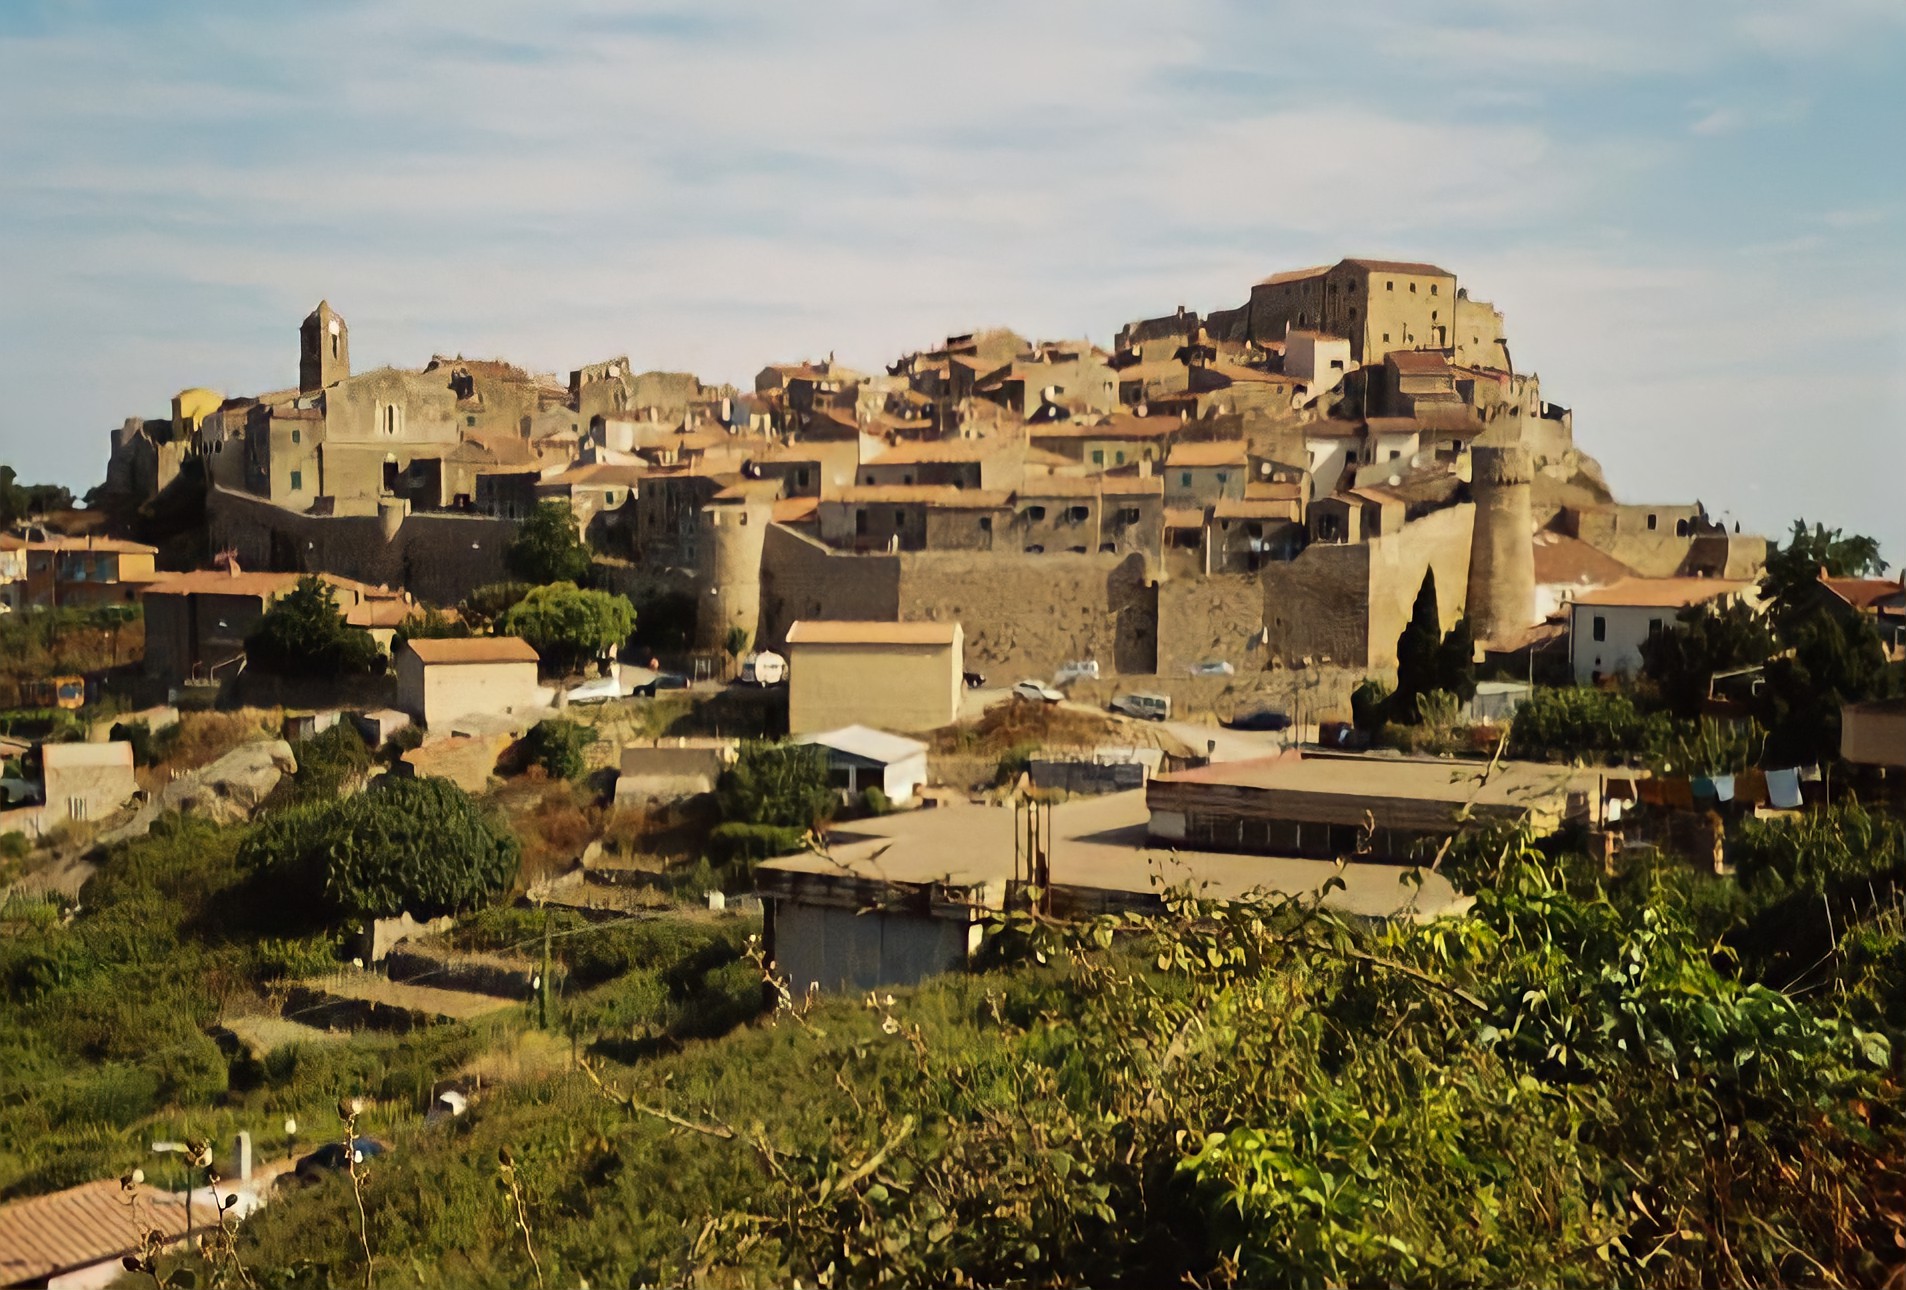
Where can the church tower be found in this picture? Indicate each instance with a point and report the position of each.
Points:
(324, 349)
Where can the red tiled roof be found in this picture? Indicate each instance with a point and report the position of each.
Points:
(1400, 266)
(1563, 560)
(1660, 593)
(1862, 593)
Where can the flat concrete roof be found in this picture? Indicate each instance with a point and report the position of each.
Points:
(1511, 784)
(1098, 844)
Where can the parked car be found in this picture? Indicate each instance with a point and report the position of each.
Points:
(1213, 667)
(662, 681)
(1261, 719)
(1037, 691)
(1084, 669)
(1146, 707)
(765, 668)
(974, 680)
(330, 1159)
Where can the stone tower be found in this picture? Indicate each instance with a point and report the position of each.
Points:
(324, 349)
(730, 541)
(1502, 549)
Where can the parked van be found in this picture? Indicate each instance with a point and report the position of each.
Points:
(765, 668)
(1146, 707)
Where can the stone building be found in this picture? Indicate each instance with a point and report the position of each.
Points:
(891, 676)
(441, 682)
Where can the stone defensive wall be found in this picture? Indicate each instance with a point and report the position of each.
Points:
(440, 558)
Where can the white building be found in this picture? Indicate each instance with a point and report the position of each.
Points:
(860, 757)
(441, 681)
(1608, 625)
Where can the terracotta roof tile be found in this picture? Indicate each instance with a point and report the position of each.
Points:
(475, 649)
(1660, 593)
(47, 1235)
(1221, 452)
(841, 632)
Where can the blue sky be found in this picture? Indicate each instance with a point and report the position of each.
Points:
(1692, 213)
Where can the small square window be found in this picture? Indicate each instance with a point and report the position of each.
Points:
(1184, 479)
(469, 421)
(899, 519)
(297, 481)
(1098, 456)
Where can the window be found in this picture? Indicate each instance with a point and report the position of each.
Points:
(868, 480)
(1128, 515)
(900, 519)
(1077, 514)
(1184, 479)
(297, 435)
(1412, 288)
(1118, 458)
(1389, 286)
(1386, 338)
(1223, 479)
(1394, 454)
(1601, 628)
(906, 479)
(1653, 520)
(986, 524)
(1654, 628)
(297, 481)
(1035, 549)
(469, 421)
(800, 477)
(860, 520)
(1432, 292)
(1098, 456)
(1353, 315)
(1035, 513)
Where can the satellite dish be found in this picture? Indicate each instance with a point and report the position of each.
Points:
(1141, 410)
(1395, 480)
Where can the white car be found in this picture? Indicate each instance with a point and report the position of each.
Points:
(1085, 669)
(1038, 691)
(600, 690)
(1213, 667)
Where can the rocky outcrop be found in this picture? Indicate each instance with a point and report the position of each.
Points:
(225, 792)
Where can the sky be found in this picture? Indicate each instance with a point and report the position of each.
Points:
(1692, 214)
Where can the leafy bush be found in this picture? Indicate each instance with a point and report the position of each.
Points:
(548, 547)
(779, 784)
(873, 801)
(328, 763)
(304, 634)
(556, 745)
(1578, 723)
(737, 843)
(404, 845)
(568, 625)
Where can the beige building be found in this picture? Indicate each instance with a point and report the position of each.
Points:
(1381, 306)
(86, 781)
(1609, 625)
(892, 676)
(442, 681)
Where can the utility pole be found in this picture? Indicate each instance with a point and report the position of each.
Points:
(542, 981)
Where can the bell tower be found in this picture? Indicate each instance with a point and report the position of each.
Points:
(324, 349)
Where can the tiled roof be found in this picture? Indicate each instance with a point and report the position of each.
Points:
(1133, 485)
(1561, 560)
(1295, 275)
(1400, 266)
(843, 632)
(475, 649)
(1119, 427)
(1862, 593)
(1058, 486)
(793, 510)
(217, 582)
(1184, 517)
(1274, 491)
(1660, 593)
(1254, 509)
(44, 1236)
(1418, 362)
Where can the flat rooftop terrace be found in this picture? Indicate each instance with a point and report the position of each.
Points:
(1098, 845)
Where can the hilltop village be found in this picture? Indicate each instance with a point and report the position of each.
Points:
(465, 746)
(1262, 487)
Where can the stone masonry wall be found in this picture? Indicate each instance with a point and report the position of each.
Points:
(1028, 614)
(800, 578)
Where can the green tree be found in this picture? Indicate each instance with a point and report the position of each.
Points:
(303, 634)
(1787, 585)
(556, 745)
(1456, 662)
(488, 603)
(548, 547)
(416, 845)
(568, 625)
(428, 623)
(22, 501)
(1683, 659)
(778, 784)
(1828, 661)
(1417, 648)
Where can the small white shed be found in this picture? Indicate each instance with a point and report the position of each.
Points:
(860, 757)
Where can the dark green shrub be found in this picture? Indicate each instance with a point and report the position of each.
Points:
(750, 843)
(556, 745)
